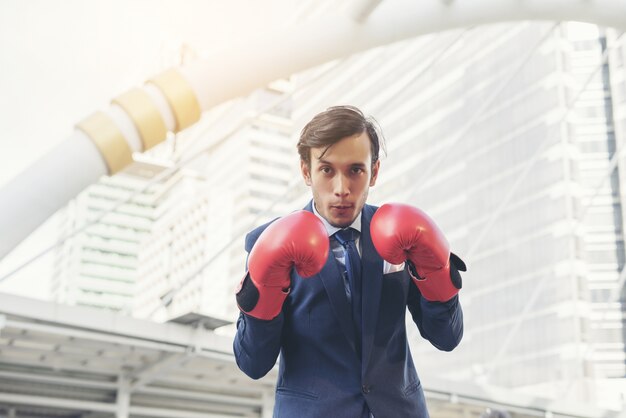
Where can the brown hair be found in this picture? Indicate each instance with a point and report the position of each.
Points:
(334, 124)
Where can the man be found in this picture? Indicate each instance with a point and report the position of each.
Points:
(319, 292)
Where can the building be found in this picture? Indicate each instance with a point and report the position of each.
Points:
(246, 163)
(505, 135)
(106, 229)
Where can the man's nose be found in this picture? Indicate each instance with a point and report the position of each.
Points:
(341, 186)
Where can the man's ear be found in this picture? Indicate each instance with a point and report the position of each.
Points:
(375, 168)
(306, 172)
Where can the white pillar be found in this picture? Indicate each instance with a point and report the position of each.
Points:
(268, 404)
(123, 397)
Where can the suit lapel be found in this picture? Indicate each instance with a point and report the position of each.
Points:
(372, 269)
(331, 278)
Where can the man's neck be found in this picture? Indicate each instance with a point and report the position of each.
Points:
(331, 229)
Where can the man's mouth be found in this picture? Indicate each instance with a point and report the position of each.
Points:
(342, 206)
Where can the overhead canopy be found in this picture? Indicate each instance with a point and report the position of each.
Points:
(69, 361)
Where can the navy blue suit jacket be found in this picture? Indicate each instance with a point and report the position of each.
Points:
(320, 373)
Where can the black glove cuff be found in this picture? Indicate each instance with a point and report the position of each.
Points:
(456, 265)
(413, 271)
(248, 296)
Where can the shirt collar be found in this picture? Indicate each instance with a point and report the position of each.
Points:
(356, 224)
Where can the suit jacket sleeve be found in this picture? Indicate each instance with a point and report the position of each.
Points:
(257, 342)
(441, 323)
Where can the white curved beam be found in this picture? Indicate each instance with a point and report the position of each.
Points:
(361, 9)
(285, 51)
(174, 100)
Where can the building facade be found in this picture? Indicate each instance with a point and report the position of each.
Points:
(107, 227)
(506, 135)
(510, 136)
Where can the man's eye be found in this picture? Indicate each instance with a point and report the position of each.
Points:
(325, 170)
(357, 170)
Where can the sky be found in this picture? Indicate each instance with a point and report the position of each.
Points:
(61, 60)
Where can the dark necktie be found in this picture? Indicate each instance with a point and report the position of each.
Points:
(346, 238)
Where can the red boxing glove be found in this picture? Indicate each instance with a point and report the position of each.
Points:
(297, 240)
(402, 232)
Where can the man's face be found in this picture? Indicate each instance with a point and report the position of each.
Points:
(341, 178)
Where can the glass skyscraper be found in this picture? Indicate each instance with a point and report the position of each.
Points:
(510, 136)
(505, 135)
